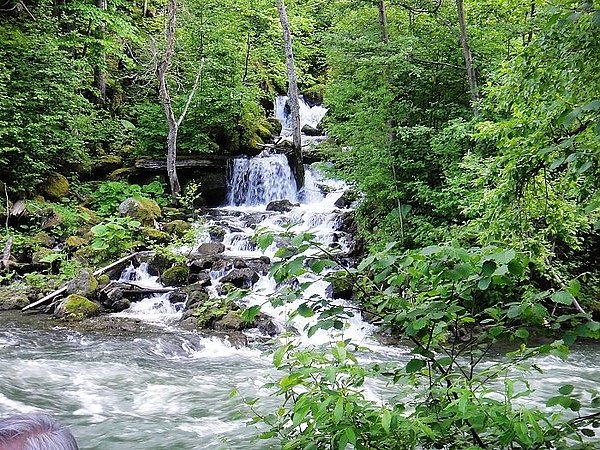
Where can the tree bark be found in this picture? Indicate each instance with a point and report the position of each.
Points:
(464, 40)
(383, 22)
(162, 67)
(298, 163)
(99, 70)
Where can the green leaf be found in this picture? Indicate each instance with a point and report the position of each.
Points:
(386, 420)
(522, 333)
(563, 297)
(305, 311)
(415, 365)
(279, 354)
(249, 314)
(338, 411)
(566, 389)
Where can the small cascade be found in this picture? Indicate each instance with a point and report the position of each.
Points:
(260, 180)
(154, 309)
(309, 115)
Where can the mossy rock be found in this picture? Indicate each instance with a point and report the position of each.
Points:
(74, 242)
(83, 284)
(44, 239)
(156, 235)
(179, 227)
(103, 279)
(89, 216)
(231, 321)
(121, 174)
(37, 259)
(145, 210)
(275, 125)
(56, 186)
(77, 307)
(342, 287)
(176, 276)
(12, 298)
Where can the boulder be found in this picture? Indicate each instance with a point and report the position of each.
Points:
(230, 321)
(178, 227)
(155, 235)
(41, 259)
(56, 186)
(107, 164)
(216, 234)
(44, 239)
(13, 298)
(84, 284)
(210, 248)
(176, 276)
(309, 130)
(347, 199)
(281, 206)
(77, 307)
(241, 278)
(341, 286)
(143, 209)
(51, 219)
(201, 278)
(160, 262)
(275, 125)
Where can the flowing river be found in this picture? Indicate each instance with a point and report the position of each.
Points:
(168, 388)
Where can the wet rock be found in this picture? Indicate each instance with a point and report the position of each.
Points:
(309, 130)
(281, 206)
(120, 305)
(56, 186)
(275, 125)
(341, 285)
(144, 209)
(210, 248)
(201, 278)
(160, 262)
(347, 199)
(83, 284)
(77, 307)
(13, 298)
(347, 223)
(241, 278)
(176, 276)
(231, 321)
(216, 262)
(240, 264)
(107, 164)
(217, 234)
(266, 325)
(178, 227)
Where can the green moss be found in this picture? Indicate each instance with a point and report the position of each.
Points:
(176, 276)
(155, 235)
(179, 227)
(76, 306)
(56, 186)
(74, 242)
(103, 279)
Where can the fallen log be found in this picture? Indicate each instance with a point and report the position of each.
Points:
(96, 273)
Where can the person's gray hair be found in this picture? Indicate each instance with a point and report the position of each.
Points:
(35, 432)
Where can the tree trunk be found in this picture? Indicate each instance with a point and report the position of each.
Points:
(383, 22)
(99, 70)
(162, 68)
(464, 40)
(298, 163)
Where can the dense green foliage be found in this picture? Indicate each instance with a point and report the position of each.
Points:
(481, 216)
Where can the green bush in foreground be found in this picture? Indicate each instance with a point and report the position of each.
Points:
(455, 306)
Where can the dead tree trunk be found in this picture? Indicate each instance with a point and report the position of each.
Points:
(99, 69)
(162, 66)
(464, 40)
(298, 163)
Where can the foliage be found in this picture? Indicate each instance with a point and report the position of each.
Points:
(110, 194)
(455, 305)
(114, 236)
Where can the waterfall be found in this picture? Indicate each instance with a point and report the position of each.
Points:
(309, 115)
(260, 180)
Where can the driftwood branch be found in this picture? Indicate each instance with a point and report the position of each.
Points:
(96, 273)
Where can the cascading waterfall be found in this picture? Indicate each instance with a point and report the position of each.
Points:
(260, 180)
(309, 115)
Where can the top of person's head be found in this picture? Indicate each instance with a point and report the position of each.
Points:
(35, 432)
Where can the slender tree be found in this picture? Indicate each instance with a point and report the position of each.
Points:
(162, 66)
(464, 40)
(99, 70)
(298, 163)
